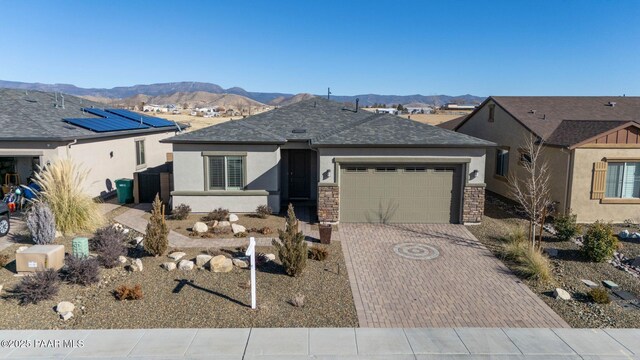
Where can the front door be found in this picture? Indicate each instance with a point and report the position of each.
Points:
(298, 174)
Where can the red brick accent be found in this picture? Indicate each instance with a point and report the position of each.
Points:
(329, 203)
(473, 205)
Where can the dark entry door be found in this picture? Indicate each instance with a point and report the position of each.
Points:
(298, 174)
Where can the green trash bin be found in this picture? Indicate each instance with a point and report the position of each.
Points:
(124, 188)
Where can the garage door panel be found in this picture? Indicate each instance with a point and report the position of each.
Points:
(426, 194)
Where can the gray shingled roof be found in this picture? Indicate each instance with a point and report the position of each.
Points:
(571, 132)
(33, 116)
(543, 115)
(328, 123)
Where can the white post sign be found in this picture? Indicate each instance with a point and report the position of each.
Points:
(251, 251)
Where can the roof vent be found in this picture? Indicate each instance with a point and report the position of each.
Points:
(299, 131)
(532, 111)
(611, 103)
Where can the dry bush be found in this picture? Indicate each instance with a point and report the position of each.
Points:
(180, 212)
(41, 223)
(535, 265)
(515, 246)
(240, 234)
(263, 211)
(218, 214)
(81, 271)
(266, 230)
(108, 243)
(4, 260)
(126, 292)
(599, 295)
(41, 286)
(319, 253)
(63, 184)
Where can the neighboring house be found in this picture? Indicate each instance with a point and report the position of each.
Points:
(458, 107)
(37, 128)
(592, 145)
(392, 111)
(354, 166)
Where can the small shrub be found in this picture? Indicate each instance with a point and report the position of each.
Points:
(319, 253)
(599, 242)
(108, 243)
(516, 245)
(41, 223)
(81, 271)
(266, 230)
(566, 227)
(4, 260)
(180, 212)
(218, 214)
(240, 234)
(126, 292)
(292, 249)
(534, 265)
(221, 230)
(297, 301)
(263, 211)
(41, 286)
(156, 240)
(599, 295)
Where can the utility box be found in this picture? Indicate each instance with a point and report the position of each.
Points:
(40, 257)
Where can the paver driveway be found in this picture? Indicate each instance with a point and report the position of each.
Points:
(464, 286)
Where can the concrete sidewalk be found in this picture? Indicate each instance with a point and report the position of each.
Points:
(323, 343)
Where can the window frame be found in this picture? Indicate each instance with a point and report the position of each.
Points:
(497, 175)
(620, 198)
(225, 167)
(140, 155)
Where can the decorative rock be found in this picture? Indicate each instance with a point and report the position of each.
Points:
(238, 228)
(66, 315)
(65, 306)
(203, 259)
(21, 249)
(224, 223)
(610, 284)
(561, 294)
(270, 257)
(220, 263)
(125, 231)
(623, 234)
(185, 265)
(1, 288)
(122, 259)
(200, 227)
(635, 235)
(118, 226)
(233, 218)
(138, 264)
(138, 240)
(551, 252)
(213, 224)
(177, 255)
(132, 268)
(589, 283)
(240, 263)
(169, 266)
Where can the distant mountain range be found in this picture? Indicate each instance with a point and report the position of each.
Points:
(166, 89)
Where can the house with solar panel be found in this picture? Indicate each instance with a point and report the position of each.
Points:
(38, 127)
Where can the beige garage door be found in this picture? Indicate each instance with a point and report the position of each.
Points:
(400, 194)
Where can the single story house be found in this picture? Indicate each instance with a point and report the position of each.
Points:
(38, 127)
(592, 145)
(352, 165)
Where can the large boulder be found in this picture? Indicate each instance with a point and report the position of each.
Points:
(185, 265)
(233, 218)
(220, 263)
(65, 306)
(238, 229)
(561, 294)
(177, 255)
(203, 259)
(200, 227)
(224, 223)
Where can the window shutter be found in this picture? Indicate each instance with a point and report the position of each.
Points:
(599, 180)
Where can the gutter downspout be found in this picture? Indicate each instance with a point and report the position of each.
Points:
(75, 141)
(568, 183)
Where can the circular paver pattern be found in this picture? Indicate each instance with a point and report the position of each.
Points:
(416, 251)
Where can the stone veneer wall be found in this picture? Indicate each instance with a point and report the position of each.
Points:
(473, 205)
(328, 203)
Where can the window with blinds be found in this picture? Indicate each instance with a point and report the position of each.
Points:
(623, 180)
(225, 172)
(140, 160)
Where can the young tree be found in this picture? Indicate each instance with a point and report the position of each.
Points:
(156, 240)
(530, 188)
(292, 249)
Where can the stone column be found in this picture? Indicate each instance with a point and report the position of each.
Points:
(473, 203)
(328, 202)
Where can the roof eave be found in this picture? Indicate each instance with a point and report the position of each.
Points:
(204, 141)
(490, 145)
(89, 137)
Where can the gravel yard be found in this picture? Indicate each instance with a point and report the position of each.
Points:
(250, 221)
(568, 269)
(205, 299)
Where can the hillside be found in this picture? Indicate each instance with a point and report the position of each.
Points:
(165, 89)
(284, 101)
(192, 100)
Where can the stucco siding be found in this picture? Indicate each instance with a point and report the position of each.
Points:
(588, 210)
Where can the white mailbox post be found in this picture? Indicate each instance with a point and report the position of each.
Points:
(251, 251)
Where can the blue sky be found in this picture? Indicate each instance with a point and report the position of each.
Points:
(568, 47)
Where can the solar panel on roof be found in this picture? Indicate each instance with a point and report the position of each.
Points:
(106, 124)
(98, 112)
(149, 120)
